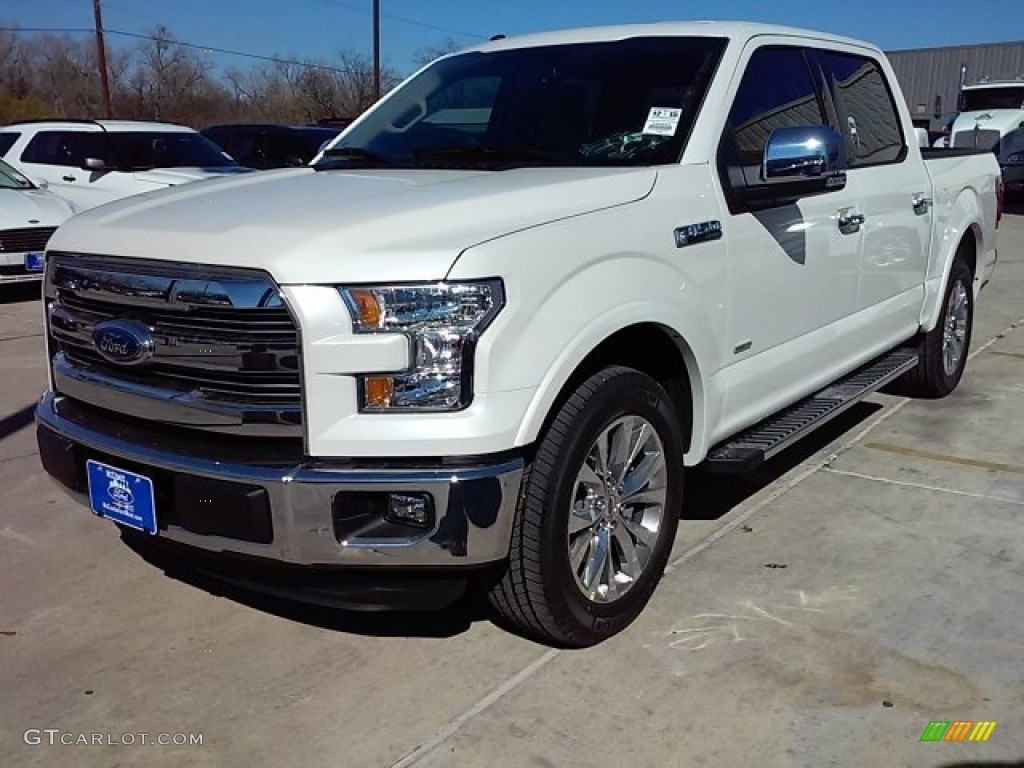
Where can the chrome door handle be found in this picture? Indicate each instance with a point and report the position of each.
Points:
(922, 204)
(849, 221)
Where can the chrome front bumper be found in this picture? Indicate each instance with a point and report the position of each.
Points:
(474, 503)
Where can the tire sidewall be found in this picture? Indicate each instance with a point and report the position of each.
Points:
(630, 393)
(959, 272)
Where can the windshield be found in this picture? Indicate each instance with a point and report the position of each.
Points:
(626, 102)
(978, 99)
(152, 149)
(12, 179)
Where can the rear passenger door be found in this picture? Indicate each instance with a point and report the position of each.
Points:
(891, 183)
(794, 271)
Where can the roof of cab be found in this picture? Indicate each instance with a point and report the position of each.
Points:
(733, 30)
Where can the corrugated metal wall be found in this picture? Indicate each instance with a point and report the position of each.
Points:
(927, 73)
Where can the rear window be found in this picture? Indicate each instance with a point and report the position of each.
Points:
(7, 141)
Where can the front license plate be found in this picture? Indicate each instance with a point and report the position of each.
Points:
(35, 262)
(122, 496)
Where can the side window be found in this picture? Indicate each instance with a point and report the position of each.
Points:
(285, 149)
(777, 90)
(868, 117)
(7, 141)
(65, 148)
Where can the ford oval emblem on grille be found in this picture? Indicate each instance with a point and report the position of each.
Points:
(126, 342)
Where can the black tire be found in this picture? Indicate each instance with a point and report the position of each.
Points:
(539, 593)
(932, 378)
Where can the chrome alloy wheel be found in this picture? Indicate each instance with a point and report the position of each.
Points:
(618, 506)
(954, 331)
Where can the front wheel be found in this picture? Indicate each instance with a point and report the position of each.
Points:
(943, 350)
(597, 514)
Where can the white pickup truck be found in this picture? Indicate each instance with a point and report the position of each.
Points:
(480, 340)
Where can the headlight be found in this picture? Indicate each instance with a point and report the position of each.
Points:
(442, 321)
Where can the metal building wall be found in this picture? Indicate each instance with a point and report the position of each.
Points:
(927, 73)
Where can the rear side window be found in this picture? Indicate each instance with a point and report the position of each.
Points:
(7, 141)
(777, 91)
(868, 117)
(66, 148)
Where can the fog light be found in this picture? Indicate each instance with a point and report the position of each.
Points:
(410, 509)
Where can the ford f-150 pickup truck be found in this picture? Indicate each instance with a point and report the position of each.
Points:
(483, 337)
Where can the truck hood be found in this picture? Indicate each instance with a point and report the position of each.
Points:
(167, 177)
(306, 227)
(32, 208)
(1002, 120)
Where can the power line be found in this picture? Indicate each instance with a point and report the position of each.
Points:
(407, 20)
(205, 48)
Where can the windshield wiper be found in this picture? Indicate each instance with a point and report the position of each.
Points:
(352, 154)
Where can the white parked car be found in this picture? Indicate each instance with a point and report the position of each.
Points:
(29, 215)
(483, 337)
(91, 162)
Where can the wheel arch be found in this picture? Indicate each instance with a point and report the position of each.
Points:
(651, 347)
(968, 237)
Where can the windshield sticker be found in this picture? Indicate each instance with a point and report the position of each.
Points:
(662, 121)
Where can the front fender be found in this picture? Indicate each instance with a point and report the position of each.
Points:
(572, 288)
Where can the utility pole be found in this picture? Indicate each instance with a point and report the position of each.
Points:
(376, 50)
(101, 58)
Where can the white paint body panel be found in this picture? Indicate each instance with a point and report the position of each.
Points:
(582, 253)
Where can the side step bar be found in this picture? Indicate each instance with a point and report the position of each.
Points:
(750, 449)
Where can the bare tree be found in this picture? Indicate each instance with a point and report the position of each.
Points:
(161, 79)
(426, 55)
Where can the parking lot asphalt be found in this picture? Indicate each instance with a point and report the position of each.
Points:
(820, 613)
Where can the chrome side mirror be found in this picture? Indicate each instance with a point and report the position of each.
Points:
(93, 164)
(803, 152)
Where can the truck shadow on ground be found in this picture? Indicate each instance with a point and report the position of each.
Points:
(19, 293)
(708, 497)
(17, 421)
(711, 496)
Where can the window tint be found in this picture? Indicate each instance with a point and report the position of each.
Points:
(66, 148)
(1008, 97)
(166, 149)
(7, 141)
(776, 91)
(867, 114)
(618, 102)
(285, 149)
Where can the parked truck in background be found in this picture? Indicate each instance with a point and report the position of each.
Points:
(482, 339)
(989, 110)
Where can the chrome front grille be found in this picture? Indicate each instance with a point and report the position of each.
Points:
(223, 349)
(27, 239)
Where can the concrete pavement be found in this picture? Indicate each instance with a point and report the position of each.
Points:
(820, 613)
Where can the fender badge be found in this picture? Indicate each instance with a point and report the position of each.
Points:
(703, 232)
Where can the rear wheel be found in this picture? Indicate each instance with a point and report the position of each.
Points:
(943, 350)
(597, 513)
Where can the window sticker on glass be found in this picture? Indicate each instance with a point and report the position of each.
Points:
(662, 121)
